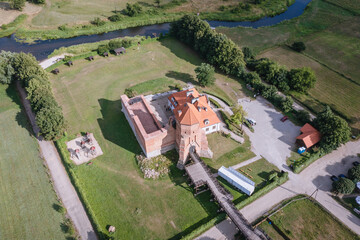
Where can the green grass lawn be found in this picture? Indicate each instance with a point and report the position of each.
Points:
(330, 88)
(227, 152)
(258, 170)
(113, 186)
(27, 198)
(307, 220)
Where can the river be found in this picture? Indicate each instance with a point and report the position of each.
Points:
(41, 49)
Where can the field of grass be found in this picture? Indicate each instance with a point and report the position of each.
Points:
(259, 171)
(227, 152)
(113, 187)
(330, 88)
(27, 198)
(306, 220)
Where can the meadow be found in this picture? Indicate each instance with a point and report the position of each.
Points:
(331, 36)
(28, 202)
(112, 187)
(297, 221)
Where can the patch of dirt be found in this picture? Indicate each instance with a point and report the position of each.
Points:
(8, 15)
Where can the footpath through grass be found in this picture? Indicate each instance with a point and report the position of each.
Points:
(113, 187)
(27, 199)
(306, 220)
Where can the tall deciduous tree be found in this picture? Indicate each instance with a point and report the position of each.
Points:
(344, 186)
(239, 115)
(301, 79)
(205, 74)
(51, 122)
(26, 67)
(335, 130)
(354, 173)
(6, 67)
(286, 104)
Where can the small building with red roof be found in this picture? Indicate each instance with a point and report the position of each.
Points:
(190, 119)
(309, 136)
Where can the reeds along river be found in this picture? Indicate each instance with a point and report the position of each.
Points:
(41, 49)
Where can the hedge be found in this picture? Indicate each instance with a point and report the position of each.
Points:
(215, 103)
(305, 161)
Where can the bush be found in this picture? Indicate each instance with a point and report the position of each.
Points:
(17, 4)
(179, 87)
(272, 176)
(116, 18)
(62, 27)
(133, 10)
(205, 74)
(298, 46)
(301, 79)
(354, 173)
(215, 103)
(130, 92)
(103, 49)
(98, 22)
(344, 186)
(7, 71)
(286, 104)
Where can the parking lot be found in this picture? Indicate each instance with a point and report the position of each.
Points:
(272, 138)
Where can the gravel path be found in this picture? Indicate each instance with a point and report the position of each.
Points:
(60, 179)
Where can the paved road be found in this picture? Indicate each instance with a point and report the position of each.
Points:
(60, 179)
(316, 176)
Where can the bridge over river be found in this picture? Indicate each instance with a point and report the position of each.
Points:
(200, 175)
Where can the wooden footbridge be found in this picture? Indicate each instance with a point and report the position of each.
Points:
(201, 175)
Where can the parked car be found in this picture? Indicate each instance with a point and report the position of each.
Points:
(251, 121)
(284, 118)
(342, 176)
(356, 163)
(334, 178)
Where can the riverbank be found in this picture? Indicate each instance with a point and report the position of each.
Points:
(32, 32)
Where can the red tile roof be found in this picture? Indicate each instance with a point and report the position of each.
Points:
(310, 136)
(191, 108)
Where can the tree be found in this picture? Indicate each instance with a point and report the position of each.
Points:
(335, 130)
(26, 66)
(269, 92)
(303, 116)
(157, 2)
(102, 49)
(248, 54)
(301, 79)
(286, 104)
(298, 46)
(51, 122)
(17, 4)
(6, 67)
(344, 186)
(116, 18)
(132, 10)
(354, 173)
(205, 74)
(239, 115)
(98, 22)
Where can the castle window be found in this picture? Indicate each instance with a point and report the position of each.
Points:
(207, 129)
(214, 127)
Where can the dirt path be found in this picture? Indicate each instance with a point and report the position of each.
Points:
(60, 179)
(8, 15)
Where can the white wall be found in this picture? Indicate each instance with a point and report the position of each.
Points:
(212, 128)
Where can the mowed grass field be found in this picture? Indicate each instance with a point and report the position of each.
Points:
(113, 186)
(330, 88)
(227, 152)
(26, 194)
(307, 220)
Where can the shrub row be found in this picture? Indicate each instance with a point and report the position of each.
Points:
(215, 103)
(216, 48)
(114, 44)
(24, 68)
(299, 79)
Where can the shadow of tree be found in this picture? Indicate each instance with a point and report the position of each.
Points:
(115, 127)
(182, 51)
(184, 77)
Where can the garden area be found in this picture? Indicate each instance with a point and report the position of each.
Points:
(297, 221)
(29, 206)
(113, 187)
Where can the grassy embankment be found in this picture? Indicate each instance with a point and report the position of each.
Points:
(28, 201)
(10, 28)
(305, 219)
(113, 187)
(330, 34)
(75, 16)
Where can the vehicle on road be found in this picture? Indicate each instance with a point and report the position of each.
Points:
(342, 176)
(356, 163)
(334, 178)
(251, 121)
(284, 118)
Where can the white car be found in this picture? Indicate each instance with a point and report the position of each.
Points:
(251, 121)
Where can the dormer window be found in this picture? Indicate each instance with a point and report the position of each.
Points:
(199, 109)
(206, 121)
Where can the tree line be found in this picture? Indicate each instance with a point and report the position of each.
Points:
(25, 68)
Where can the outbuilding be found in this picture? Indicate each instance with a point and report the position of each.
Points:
(309, 136)
(120, 50)
(70, 63)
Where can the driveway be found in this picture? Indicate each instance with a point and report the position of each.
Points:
(315, 179)
(272, 138)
